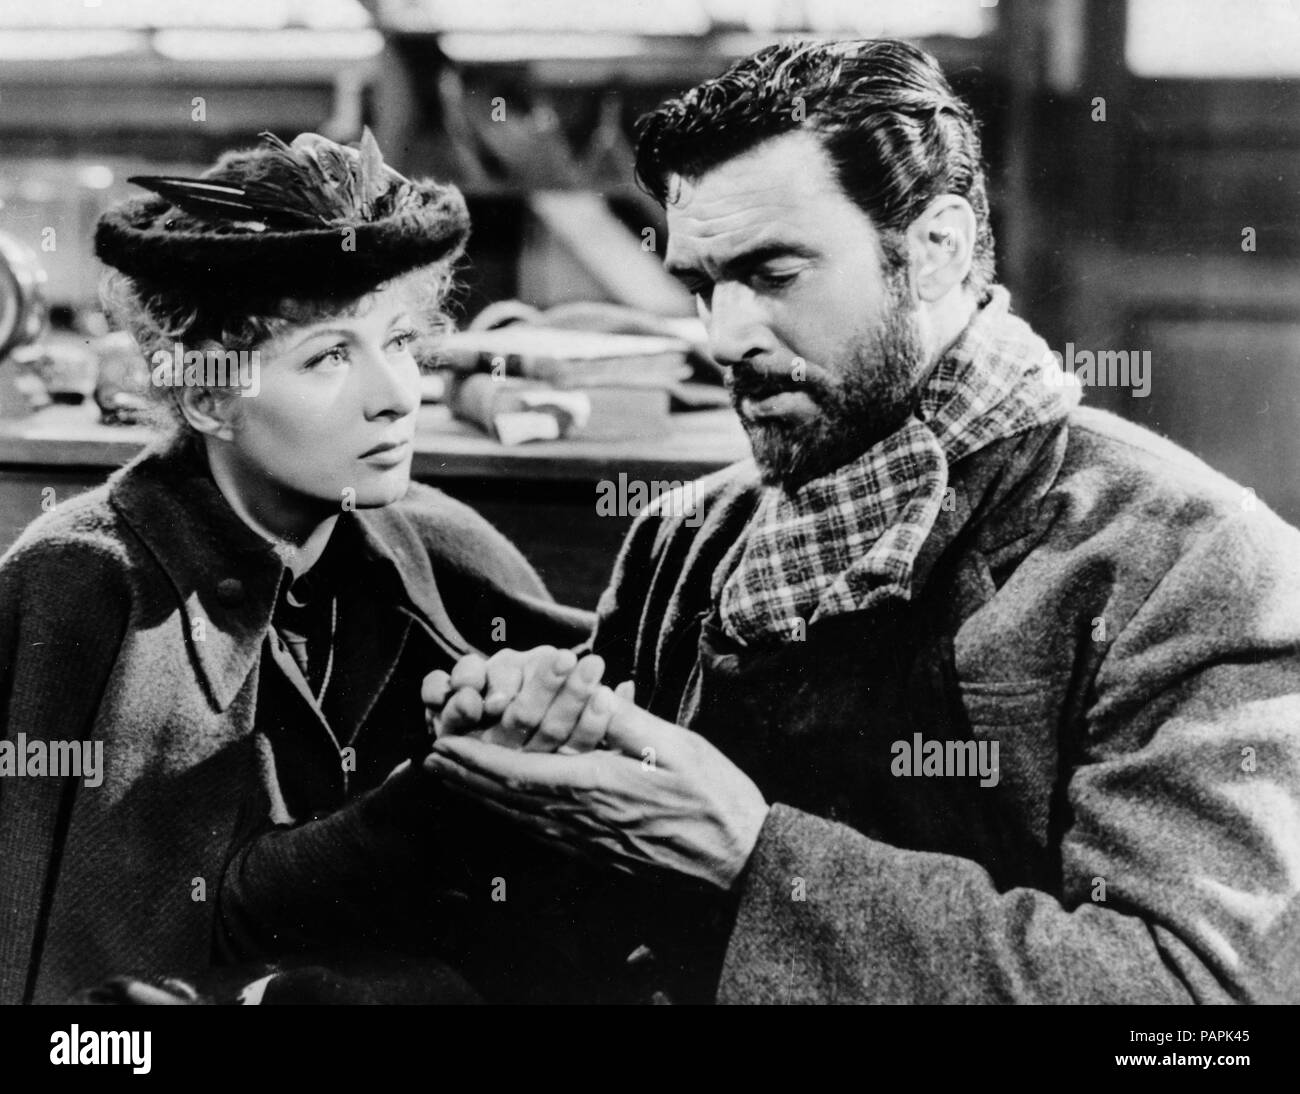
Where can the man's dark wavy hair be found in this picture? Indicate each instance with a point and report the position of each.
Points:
(896, 134)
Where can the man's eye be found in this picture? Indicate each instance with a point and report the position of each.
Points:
(332, 357)
(774, 279)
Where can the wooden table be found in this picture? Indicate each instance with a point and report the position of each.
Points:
(542, 495)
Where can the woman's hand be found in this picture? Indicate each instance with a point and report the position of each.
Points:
(540, 700)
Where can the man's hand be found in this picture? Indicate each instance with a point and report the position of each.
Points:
(660, 797)
(542, 700)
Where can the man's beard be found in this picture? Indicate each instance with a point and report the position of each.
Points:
(859, 408)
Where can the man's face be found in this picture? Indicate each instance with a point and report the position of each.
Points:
(820, 342)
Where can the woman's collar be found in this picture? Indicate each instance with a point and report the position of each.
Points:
(226, 576)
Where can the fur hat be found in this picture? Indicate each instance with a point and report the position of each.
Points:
(313, 219)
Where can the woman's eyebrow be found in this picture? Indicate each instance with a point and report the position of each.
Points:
(340, 332)
(328, 332)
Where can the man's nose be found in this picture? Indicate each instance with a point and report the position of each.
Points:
(736, 325)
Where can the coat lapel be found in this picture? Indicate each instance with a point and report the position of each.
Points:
(386, 535)
(226, 576)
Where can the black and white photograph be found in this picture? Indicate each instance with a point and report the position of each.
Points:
(651, 502)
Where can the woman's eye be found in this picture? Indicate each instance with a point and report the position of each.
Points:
(401, 340)
(335, 355)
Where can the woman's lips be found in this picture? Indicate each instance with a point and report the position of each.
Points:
(390, 452)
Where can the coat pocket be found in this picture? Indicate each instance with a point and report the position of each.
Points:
(1022, 717)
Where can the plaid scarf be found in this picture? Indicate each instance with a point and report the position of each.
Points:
(850, 539)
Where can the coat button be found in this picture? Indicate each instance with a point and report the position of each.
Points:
(230, 591)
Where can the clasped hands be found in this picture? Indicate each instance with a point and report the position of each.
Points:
(538, 737)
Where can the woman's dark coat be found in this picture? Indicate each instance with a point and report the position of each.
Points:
(135, 615)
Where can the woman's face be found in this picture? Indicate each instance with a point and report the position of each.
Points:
(334, 417)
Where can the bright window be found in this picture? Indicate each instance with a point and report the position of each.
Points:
(1203, 39)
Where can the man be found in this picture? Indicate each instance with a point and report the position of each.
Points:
(957, 692)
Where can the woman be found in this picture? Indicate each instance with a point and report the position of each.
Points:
(243, 615)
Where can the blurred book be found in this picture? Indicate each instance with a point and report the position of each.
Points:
(515, 410)
(568, 358)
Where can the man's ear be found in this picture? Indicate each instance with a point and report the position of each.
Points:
(208, 410)
(942, 245)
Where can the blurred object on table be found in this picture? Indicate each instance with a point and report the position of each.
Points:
(123, 388)
(530, 380)
(596, 315)
(514, 411)
(433, 384)
(22, 320)
(568, 358)
(22, 294)
(64, 364)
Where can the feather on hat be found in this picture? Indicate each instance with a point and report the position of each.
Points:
(311, 219)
